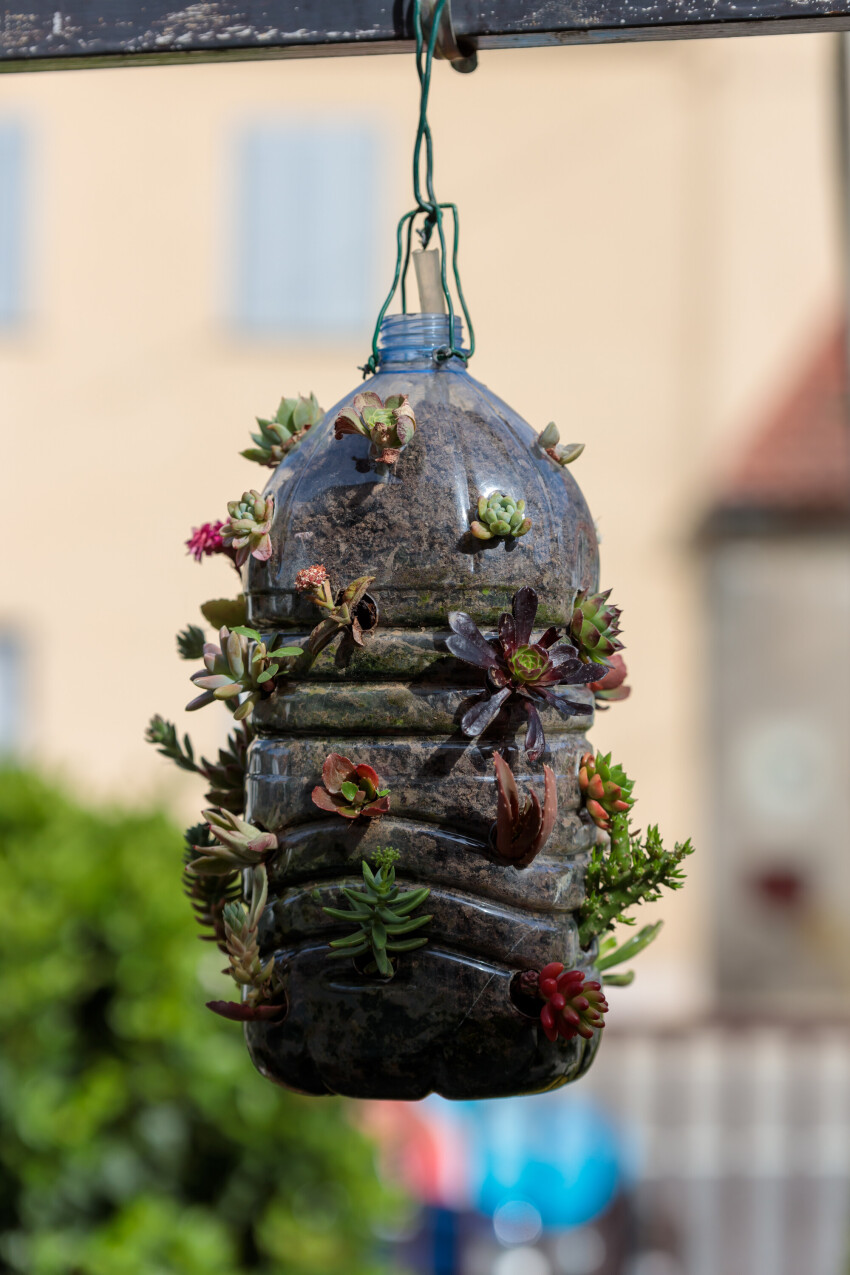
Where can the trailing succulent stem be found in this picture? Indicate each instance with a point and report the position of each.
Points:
(226, 776)
(285, 430)
(349, 609)
(522, 829)
(208, 894)
(499, 515)
(611, 953)
(632, 870)
(383, 915)
(246, 968)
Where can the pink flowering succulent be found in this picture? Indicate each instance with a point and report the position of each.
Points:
(389, 425)
(572, 1006)
(206, 540)
(522, 829)
(350, 790)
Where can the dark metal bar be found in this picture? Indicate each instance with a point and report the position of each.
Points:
(132, 31)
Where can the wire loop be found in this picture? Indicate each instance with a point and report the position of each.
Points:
(427, 206)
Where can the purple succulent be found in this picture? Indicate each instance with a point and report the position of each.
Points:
(517, 666)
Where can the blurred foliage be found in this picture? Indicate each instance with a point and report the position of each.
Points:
(135, 1136)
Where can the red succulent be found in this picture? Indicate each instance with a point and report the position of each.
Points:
(522, 829)
(350, 790)
(243, 1012)
(516, 665)
(572, 1006)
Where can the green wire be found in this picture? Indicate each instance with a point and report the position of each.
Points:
(427, 207)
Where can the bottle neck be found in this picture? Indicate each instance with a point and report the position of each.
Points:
(408, 340)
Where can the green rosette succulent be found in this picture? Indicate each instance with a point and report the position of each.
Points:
(247, 529)
(382, 912)
(389, 425)
(278, 436)
(500, 515)
(594, 626)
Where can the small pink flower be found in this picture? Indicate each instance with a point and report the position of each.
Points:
(311, 578)
(205, 540)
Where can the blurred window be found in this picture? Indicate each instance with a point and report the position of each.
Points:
(11, 221)
(11, 666)
(305, 226)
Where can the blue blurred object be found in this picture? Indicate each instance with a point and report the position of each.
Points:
(556, 1152)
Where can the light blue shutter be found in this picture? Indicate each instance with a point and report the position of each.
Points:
(305, 214)
(11, 675)
(11, 221)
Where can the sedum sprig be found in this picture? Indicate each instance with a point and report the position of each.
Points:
(246, 966)
(382, 912)
(562, 454)
(226, 776)
(632, 870)
(163, 735)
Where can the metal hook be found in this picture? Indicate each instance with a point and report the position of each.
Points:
(461, 53)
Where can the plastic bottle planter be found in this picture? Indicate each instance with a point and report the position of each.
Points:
(449, 1020)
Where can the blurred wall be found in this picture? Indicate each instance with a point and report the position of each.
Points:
(649, 240)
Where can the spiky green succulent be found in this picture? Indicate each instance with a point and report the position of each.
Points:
(500, 515)
(594, 626)
(382, 913)
(240, 932)
(278, 436)
(248, 526)
(550, 441)
(163, 735)
(234, 843)
(241, 665)
(208, 893)
(632, 870)
(605, 788)
(226, 776)
(190, 642)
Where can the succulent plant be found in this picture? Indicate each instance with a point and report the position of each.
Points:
(350, 790)
(206, 540)
(515, 665)
(632, 870)
(594, 626)
(522, 829)
(350, 608)
(208, 894)
(235, 668)
(226, 776)
(611, 953)
(163, 735)
(382, 913)
(235, 844)
(609, 689)
(550, 439)
(248, 526)
(246, 967)
(277, 436)
(500, 515)
(572, 1006)
(606, 789)
(224, 613)
(389, 426)
(190, 642)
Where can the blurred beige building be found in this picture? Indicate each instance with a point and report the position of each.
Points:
(650, 250)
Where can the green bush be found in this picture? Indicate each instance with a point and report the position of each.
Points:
(135, 1136)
